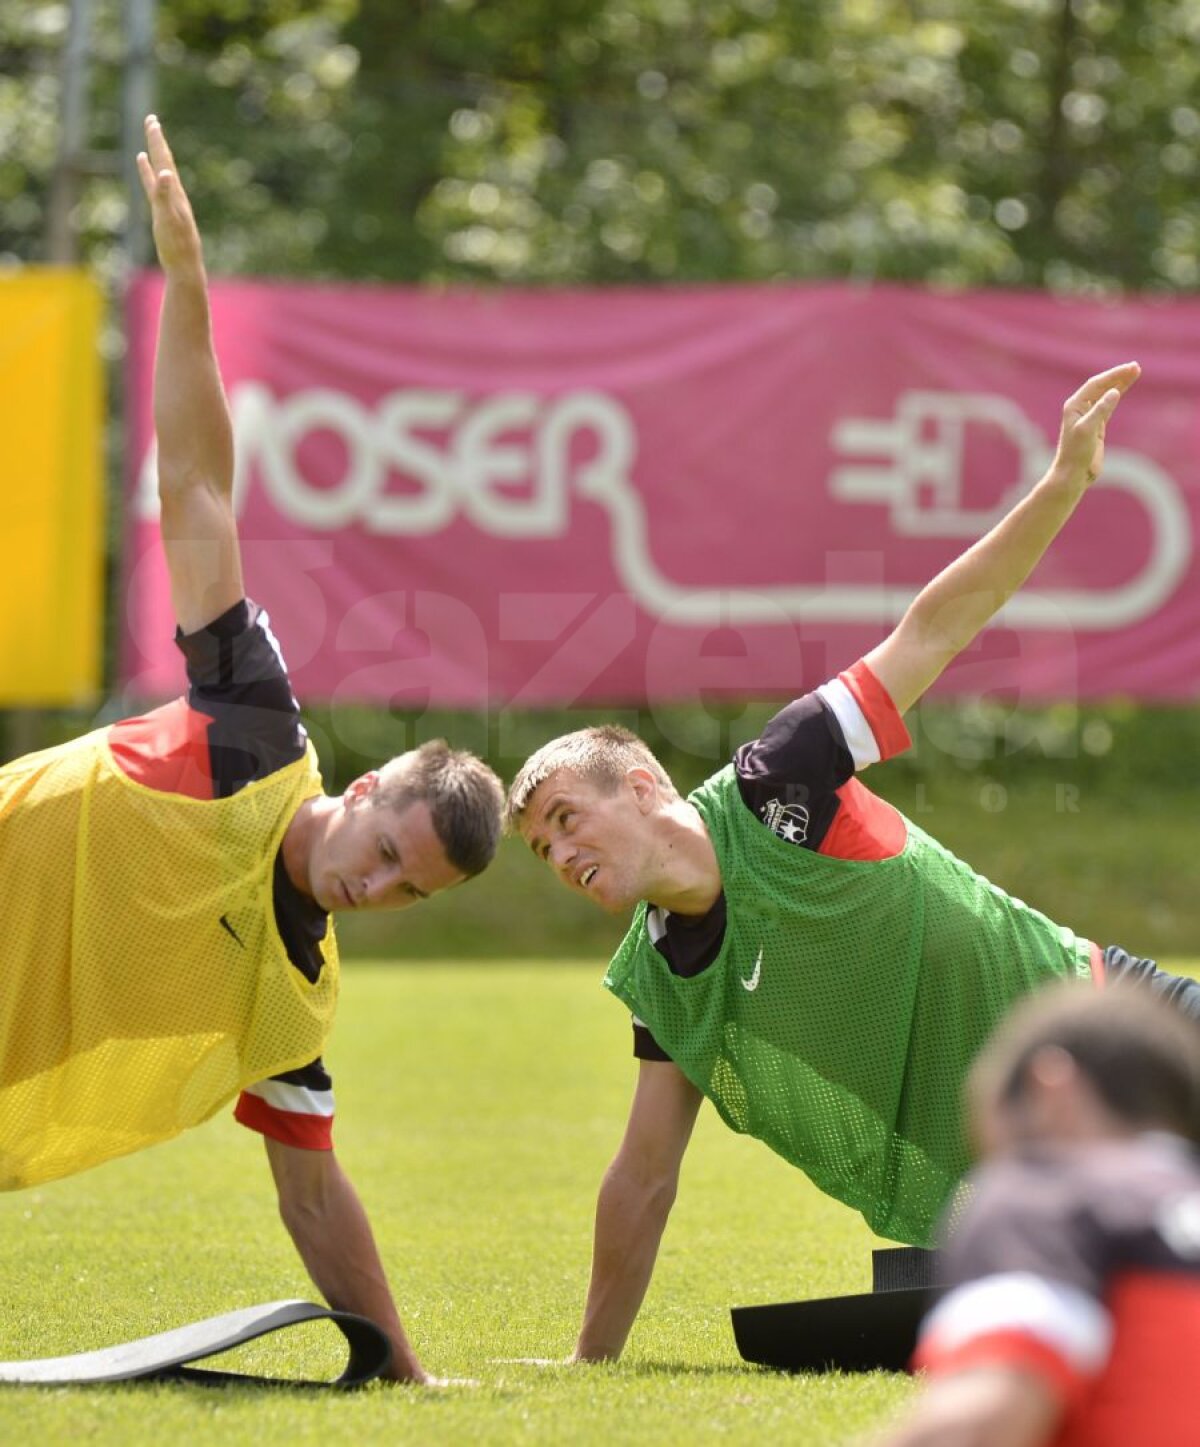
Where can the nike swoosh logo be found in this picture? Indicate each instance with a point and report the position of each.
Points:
(752, 982)
(229, 930)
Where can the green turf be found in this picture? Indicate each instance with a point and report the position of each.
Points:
(478, 1106)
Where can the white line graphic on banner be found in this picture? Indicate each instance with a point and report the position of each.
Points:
(894, 479)
(913, 462)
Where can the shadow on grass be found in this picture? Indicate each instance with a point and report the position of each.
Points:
(234, 1387)
(678, 1369)
(205, 1382)
(736, 1369)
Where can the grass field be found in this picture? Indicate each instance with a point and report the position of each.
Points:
(478, 1105)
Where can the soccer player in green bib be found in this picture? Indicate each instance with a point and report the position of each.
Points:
(803, 955)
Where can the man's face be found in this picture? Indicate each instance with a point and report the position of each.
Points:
(597, 843)
(368, 857)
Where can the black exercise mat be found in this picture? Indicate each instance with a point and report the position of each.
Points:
(163, 1357)
(874, 1331)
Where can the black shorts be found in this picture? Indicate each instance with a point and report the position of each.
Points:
(1181, 992)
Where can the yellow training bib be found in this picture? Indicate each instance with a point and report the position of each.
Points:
(144, 981)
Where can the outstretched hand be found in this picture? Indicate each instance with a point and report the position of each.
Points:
(176, 236)
(1080, 453)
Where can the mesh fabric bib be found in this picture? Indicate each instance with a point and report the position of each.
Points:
(845, 1006)
(144, 981)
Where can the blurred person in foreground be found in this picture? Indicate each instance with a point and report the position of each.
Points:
(169, 879)
(801, 954)
(1073, 1310)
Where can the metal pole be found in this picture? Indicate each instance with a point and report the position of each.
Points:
(61, 242)
(138, 102)
(23, 734)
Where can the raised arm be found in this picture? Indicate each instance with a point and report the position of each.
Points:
(948, 612)
(191, 418)
(636, 1197)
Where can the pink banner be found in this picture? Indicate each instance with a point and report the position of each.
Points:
(640, 496)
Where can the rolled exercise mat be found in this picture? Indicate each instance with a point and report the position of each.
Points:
(872, 1332)
(162, 1357)
(876, 1331)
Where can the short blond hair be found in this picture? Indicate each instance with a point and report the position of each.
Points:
(603, 755)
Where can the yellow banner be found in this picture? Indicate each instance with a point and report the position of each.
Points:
(52, 486)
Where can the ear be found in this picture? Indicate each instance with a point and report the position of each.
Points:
(645, 788)
(1060, 1100)
(1052, 1069)
(361, 788)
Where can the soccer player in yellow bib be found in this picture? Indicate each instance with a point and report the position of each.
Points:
(176, 872)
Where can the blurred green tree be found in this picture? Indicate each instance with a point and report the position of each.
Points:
(1032, 143)
(1049, 143)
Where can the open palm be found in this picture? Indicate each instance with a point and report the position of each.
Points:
(176, 237)
(1080, 452)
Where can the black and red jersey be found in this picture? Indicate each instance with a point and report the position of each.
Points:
(1082, 1266)
(798, 778)
(239, 722)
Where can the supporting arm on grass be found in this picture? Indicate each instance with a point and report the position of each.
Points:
(635, 1200)
(329, 1226)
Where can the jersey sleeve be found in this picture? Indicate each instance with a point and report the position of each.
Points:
(295, 1108)
(871, 724)
(645, 1046)
(798, 776)
(1025, 1288)
(821, 739)
(238, 681)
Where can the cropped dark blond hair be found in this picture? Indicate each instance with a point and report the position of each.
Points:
(465, 798)
(603, 755)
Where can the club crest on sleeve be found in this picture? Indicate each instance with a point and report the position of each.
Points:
(789, 821)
